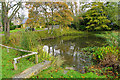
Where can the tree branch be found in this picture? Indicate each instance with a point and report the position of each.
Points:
(13, 6)
(14, 12)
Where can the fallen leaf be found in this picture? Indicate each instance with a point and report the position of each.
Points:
(82, 76)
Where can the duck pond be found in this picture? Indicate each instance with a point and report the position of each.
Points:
(69, 47)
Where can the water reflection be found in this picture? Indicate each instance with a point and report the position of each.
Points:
(69, 47)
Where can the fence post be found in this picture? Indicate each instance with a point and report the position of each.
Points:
(15, 66)
(7, 50)
(36, 58)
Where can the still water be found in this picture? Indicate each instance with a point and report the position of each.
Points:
(69, 47)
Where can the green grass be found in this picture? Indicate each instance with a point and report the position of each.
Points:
(7, 63)
(24, 63)
(34, 36)
(56, 33)
(11, 31)
(16, 30)
(39, 29)
(53, 72)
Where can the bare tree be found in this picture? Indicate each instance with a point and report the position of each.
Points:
(6, 8)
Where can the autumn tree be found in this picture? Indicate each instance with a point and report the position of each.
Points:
(71, 6)
(63, 15)
(38, 13)
(53, 12)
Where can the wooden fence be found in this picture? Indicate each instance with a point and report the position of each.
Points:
(15, 59)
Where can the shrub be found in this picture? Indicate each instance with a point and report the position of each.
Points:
(82, 27)
(14, 26)
(28, 40)
(100, 53)
(108, 57)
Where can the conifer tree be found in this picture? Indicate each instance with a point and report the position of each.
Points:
(96, 17)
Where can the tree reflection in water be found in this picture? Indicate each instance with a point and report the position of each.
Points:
(69, 48)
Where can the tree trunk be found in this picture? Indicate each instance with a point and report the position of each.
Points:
(5, 25)
(48, 28)
(52, 19)
(5, 20)
(8, 29)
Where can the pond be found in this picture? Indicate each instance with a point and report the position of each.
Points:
(69, 47)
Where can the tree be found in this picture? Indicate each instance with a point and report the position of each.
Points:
(76, 8)
(112, 12)
(52, 12)
(71, 6)
(96, 17)
(38, 13)
(63, 14)
(6, 7)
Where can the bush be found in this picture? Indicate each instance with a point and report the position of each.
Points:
(81, 27)
(28, 40)
(101, 53)
(14, 26)
(108, 57)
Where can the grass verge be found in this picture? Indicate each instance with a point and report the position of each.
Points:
(60, 72)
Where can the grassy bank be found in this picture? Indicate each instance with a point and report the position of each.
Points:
(7, 63)
(33, 37)
(20, 29)
(60, 72)
(12, 31)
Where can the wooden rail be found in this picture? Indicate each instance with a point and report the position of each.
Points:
(15, 59)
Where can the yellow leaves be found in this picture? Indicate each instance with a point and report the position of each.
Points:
(51, 77)
(92, 25)
(32, 73)
(88, 27)
(92, 67)
(93, 7)
(71, 76)
(97, 28)
(104, 26)
(96, 20)
(82, 76)
(81, 18)
(67, 28)
(107, 21)
(56, 70)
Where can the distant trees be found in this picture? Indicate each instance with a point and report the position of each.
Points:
(97, 16)
(112, 13)
(49, 13)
